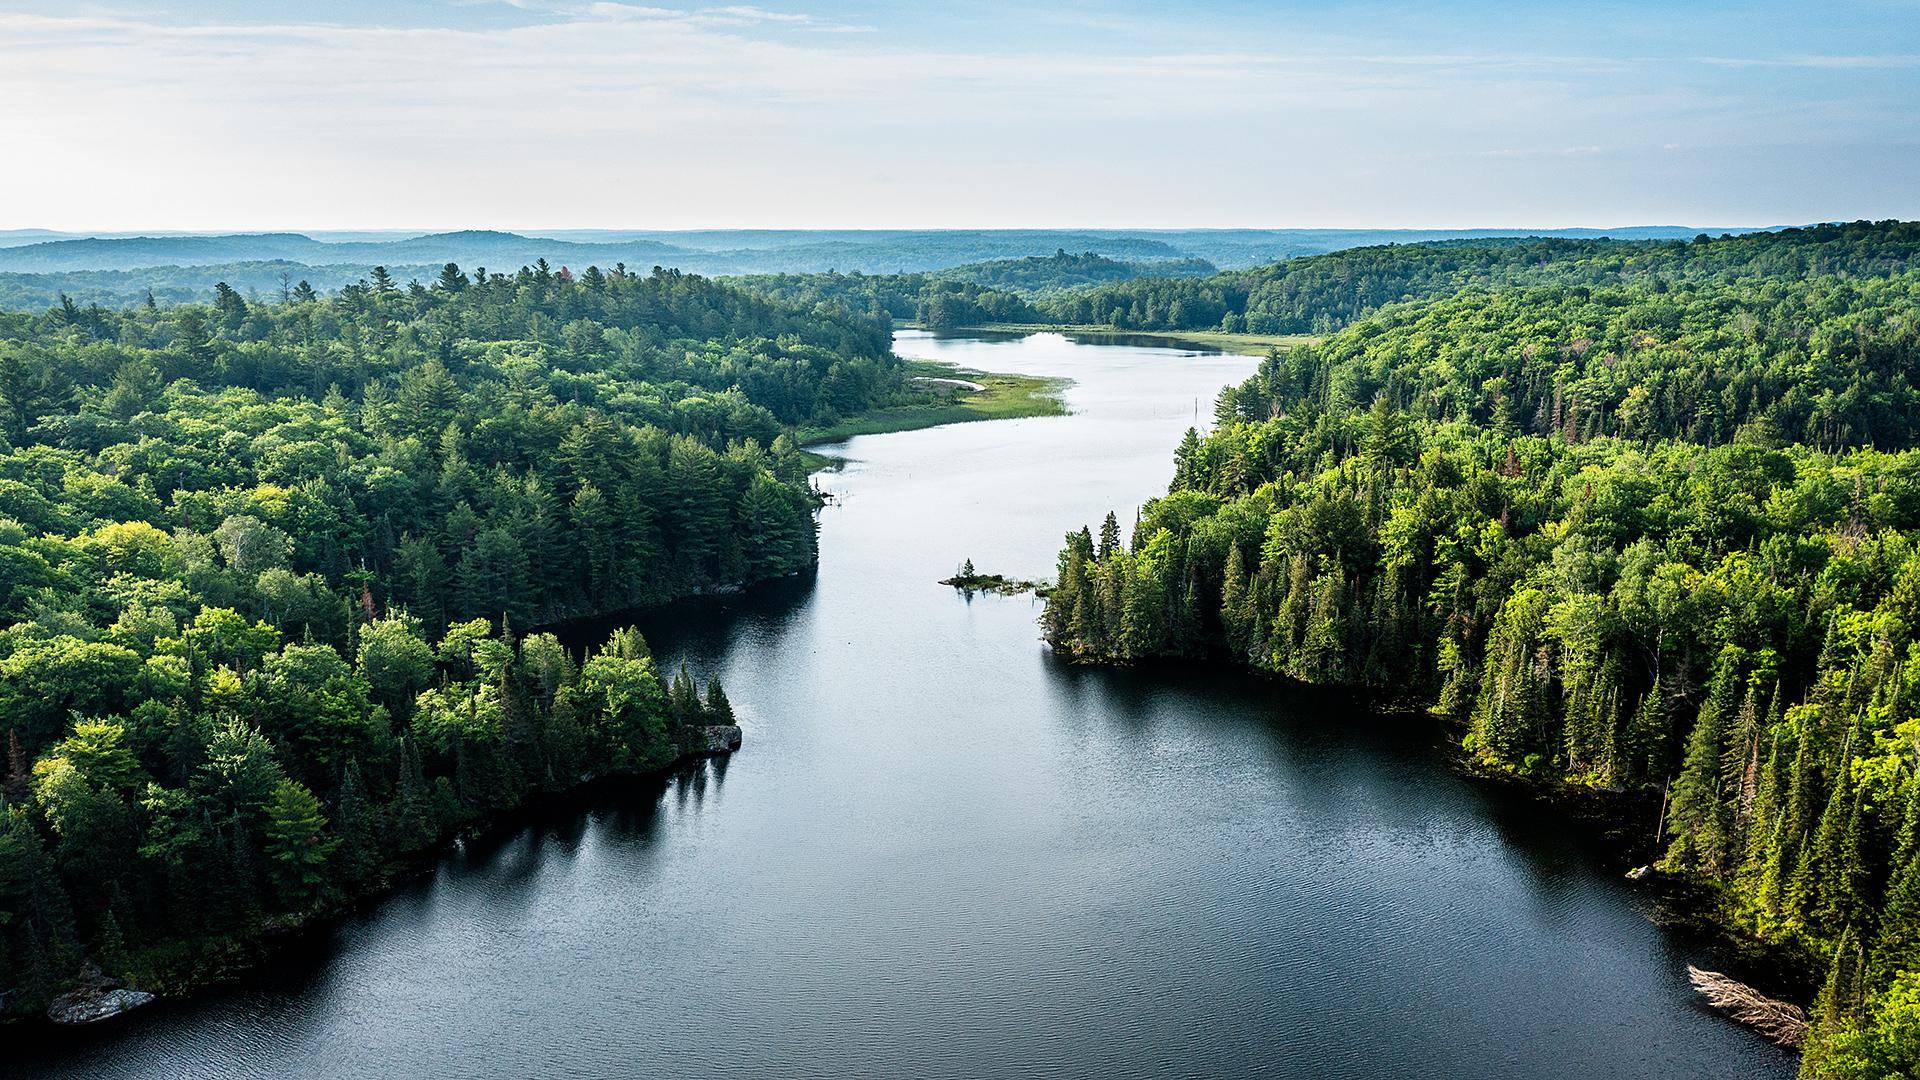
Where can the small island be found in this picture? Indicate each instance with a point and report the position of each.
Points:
(969, 581)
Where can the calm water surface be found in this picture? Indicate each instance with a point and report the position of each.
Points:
(944, 854)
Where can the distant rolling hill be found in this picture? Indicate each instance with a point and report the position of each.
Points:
(37, 266)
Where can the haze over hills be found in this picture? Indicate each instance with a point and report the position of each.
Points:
(37, 266)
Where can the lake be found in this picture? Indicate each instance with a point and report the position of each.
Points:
(944, 853)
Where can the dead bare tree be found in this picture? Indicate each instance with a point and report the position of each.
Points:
(1783, 1023)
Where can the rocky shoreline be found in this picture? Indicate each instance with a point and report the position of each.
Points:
(102, 998)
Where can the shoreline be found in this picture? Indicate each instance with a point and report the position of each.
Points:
(246, 958)
(1242, 344)
(1610, 825)
(233, 963)
(1002, 396)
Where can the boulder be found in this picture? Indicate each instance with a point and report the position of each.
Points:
(721, 739)
(90, 1005)
(1640, 873)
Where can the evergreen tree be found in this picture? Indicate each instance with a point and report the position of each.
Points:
(297, 844)
(1512, 709)
(1109, 537)
(1698, 815)
(1843, 996)
(1186, 461)
(1236, 604)
(719, 709)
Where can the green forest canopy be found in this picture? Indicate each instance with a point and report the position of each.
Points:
(1662, 532)
(1318, 294)
(1631, 513)
(265, 570)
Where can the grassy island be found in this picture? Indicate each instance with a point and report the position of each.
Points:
(958, 395)
(970, 581)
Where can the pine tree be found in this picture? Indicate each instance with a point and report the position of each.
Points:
(1786, 861)
(683, 700)
(1110, 606)
(1843, 997)
(1143, 624)
(1850, 898)
(1236, 604)
(53, 951)
(1109, 537)
(1186, 462)
(1062, 616)
(296, 845)
(1801, 890)
(40, 973)
(1897, 948)
(357, 856)
(1512, 708)
(1697, 812)
(1290, 621)
(1322, 657)
(1089, 620)
(719, 709)
(414, 822)
(1906, 843)
(110, 948)
(1740, 770)
(1826, 889)
(1768, 808)
(1645, 742)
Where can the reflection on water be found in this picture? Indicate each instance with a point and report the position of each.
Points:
(943, 852)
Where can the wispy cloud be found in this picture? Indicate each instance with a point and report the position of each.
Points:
(728, 15)
(1839, 63)
(674, 113)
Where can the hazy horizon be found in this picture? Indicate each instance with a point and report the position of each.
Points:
(537, 231)
(835, 114)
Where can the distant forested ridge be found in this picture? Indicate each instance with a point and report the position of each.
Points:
(1038, 275)
(1322, 293)
(1659, 530)
(1001, 291)
(1317, 294)
(266, 568)
(37, 267)
(935, 301)
(1030, 276)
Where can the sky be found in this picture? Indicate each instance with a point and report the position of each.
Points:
(529, 114)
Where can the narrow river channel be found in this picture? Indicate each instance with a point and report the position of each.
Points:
(942, 853)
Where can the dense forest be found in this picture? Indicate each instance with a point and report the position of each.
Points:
(1660, 535)
(1318, 294)
(267, 572)
(978, 294)
(1323, 293)
(1038, 275)
(938, 303)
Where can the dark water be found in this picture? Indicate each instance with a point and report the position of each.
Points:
(943, 854)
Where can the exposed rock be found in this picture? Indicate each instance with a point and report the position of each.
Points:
(721, 739)
(91, 1004)
(1640, 873)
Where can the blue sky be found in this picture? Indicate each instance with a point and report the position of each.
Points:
(580, 113)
